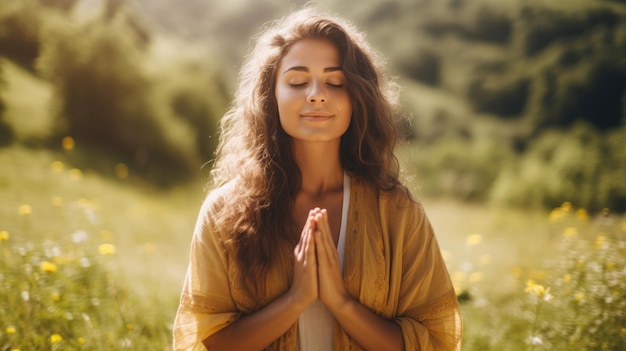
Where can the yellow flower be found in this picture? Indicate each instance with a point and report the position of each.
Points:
(566, 206)
(55, 338)
(567, 278)
(48, 267)
(538, 290)
(538, 275)
(106, 249)
(16, 350)
(11, 330)
(556, 215)
(76, 174)
(57, 201)
(57, 166)
(610, 266)
(4, 235)
(68, 143)
(473, 239)
(517, 272)
(130, 327)
(121, 170)
(582, 215)
(25, 210)
(56, 297)
(81, 340)
(570, 232)
(579, 297)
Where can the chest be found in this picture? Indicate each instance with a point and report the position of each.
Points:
(332, 202)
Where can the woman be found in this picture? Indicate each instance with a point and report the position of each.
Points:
(308, 240)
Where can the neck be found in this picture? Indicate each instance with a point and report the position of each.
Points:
(320, 167)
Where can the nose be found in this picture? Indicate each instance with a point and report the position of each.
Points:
(317, 93)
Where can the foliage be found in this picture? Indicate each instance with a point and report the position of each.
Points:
(581, 165)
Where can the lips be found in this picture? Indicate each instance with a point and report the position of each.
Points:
(316, 115)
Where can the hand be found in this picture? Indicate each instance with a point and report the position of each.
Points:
(304, 288)
(331, 290)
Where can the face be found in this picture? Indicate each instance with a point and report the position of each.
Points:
(313, 101)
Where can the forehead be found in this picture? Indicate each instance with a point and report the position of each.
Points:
(311, 53)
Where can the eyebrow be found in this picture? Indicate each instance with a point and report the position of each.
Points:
(306, 69)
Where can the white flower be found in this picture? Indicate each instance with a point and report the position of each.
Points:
(79, 236)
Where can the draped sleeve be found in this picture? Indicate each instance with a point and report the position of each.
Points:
(206, 303)
(427, 311)
(395, 268)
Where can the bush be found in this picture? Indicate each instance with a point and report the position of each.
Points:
(581, 165)
(105, 98)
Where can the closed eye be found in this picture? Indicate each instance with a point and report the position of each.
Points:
(335, 85)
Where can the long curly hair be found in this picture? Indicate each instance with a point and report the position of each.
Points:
(255, 154)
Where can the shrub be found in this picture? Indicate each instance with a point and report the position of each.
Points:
(105, 98)
(580, 165)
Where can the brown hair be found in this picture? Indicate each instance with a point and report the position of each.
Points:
(254, 151)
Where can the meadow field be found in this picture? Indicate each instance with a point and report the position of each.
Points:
(95, 260)
(93, 263)
(514, 144)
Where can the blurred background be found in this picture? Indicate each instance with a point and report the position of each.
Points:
(513, 124)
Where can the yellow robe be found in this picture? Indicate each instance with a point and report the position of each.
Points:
(393, 265)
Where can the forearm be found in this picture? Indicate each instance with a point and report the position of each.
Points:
(371, 331)
(257, 330)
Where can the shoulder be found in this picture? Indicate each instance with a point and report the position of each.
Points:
(395, 206)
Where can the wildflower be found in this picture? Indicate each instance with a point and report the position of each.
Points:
(68, 143)
(25, 210)
(566, 207)
(555, 215)
(517, 272)
(25, 295)
(11, 330)
(4, 235)
(48, 267)
(57, 166)
(570, 232)
(81, 340)
(121, 170)
(567, 278)
(57, 201)
(609, 266)
(130, 327)
(582, 215)
(473, 239)
(55, 338)
(76, 174)
(56, 297)
(535, 340)
(579, 297)
(79, 236)
(538, 290)
(106, 249)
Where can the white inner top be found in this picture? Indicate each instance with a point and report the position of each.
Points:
(315, 324)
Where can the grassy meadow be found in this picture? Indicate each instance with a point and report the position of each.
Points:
(91, 261)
